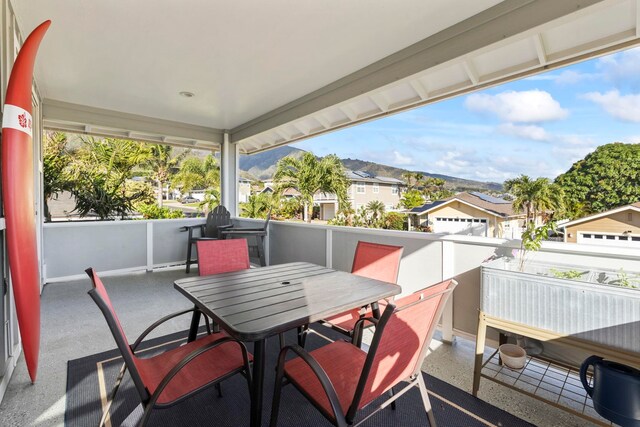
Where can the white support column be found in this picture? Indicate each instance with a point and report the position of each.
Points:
(229, 157)
(448, 252)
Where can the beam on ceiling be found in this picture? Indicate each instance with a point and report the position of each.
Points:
(506, 19)
(73, 114)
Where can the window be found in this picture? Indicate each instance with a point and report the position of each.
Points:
(360, 187)
(376, 188)
(394, 189)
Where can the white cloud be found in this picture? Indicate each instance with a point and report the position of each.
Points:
(623, 68)
(453, 162)
(632, 139)
(623, 107)
(565, 77)
(533, 132)
(573, 77)
(571, 148)
(519, 107)
(401, 160)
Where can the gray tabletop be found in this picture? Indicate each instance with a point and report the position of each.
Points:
(254, 304)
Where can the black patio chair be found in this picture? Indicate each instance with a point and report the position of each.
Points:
(217, 220)
(259, 233)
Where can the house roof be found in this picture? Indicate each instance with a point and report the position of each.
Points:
(325, 65)
(287, 192)
(633, 207)
(492, 205)
(362, 176)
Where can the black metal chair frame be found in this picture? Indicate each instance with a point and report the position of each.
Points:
(149, 400)
(259, 233)
(341, 419)
(217, 220)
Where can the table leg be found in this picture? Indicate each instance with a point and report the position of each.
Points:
(260, 247)
(481, 337)
(195, 322)
(259, 348)
(375, 310)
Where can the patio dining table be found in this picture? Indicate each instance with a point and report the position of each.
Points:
(252, 305)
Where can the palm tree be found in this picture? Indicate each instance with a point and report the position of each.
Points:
(376, 209)
(310, 175)
(99, 171)
(163, 165)
(534, 196)
(198, 173)
(256, 206)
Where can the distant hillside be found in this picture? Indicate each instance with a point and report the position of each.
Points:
(263, 166)
(393, 172)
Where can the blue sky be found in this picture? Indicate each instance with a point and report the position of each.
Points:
(538, 126)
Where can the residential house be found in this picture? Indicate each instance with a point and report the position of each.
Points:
(615, 227)
(244, 190)
(363, 188)
(472, 214)
(287, 193)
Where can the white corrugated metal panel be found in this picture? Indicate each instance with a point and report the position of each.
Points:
(604, 314)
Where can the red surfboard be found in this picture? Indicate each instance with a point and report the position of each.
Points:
(17, 188)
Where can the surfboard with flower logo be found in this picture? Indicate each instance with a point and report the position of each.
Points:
(18, 197)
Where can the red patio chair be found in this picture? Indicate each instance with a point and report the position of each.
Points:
(372, 260)
(170, 377)
(222, 256)
(340, 378)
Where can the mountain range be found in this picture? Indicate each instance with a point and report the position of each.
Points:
(263, 166)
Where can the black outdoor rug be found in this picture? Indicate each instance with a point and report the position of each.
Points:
(89, 377)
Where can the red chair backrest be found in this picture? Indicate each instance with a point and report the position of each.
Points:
(101, 298)
(377, 261)
(402, 339)
(222, 256)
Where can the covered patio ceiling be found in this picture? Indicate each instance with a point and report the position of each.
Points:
(271, 73)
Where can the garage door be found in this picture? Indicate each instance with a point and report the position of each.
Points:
(328, 211)
(464, 226)
(610, 239)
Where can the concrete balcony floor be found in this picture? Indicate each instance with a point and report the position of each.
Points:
(73, 327)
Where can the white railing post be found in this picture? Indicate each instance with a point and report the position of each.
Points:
(448, 269)
(329, 249)
(149, 246)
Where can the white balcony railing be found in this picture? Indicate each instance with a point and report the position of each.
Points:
(120, 246)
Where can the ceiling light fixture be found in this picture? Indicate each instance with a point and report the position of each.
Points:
(187, 94)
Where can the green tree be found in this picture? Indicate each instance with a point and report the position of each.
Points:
(153, 211)
(162, 166)
(310, 175)
(412, 199)
(375, 210)
(534, 197)
(196, 172)
(394, 221)
(211, 199)
(99, 172)
(433, 188)
(289, 208)
(412, 179)
(55, 161)
(607, 178)
(256, 206)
